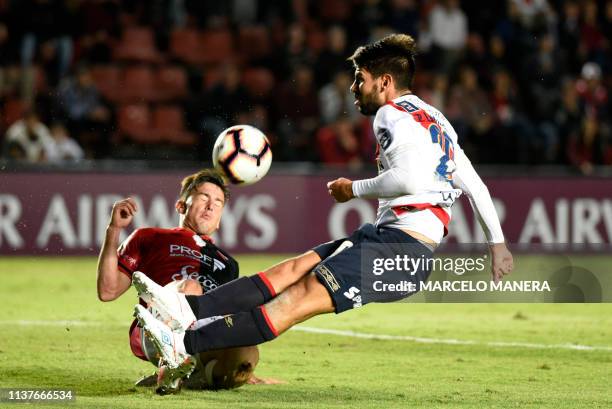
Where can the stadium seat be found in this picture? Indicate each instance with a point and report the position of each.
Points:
(138, 85)
(254, 42)
(13, 111)
(258, 81)
(185, 45)
(171, 83)
(134, 123)
(334, 10)
(137, 44)
(211, 77)
(218, 46)
(169, 126)
(107, 79)
(316, 39)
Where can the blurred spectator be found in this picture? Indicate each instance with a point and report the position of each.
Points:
(569, 36)
(98, 28)
(439, 91)
(514, 134)
(216, 109)
(534, 15)
(65, 149)
(336, 99)
(591, 36)
(591, 91)
(569, 114)
(585, 148)
(542, 69)
(47, 24)
(475, 55)
(9, 69)
(448, 29)
(403, 16)
(29, 140)
(297, 111)
(338, 143)
(470, 112)
(80, 103)
(498, 58)
(294, 54)
(333, 58)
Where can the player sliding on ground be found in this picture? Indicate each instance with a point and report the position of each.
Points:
(422, 171)
(183, 259)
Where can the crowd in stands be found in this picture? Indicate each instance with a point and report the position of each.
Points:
(522, 81)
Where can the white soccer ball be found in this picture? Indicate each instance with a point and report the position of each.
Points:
(242, 153)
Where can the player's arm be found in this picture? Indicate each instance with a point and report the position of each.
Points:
(405, 164)
(111, 282)
(466, 179)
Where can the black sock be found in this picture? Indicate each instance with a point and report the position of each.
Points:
(242, 294)
(236, 330)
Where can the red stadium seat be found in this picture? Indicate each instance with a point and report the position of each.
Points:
(316, 40)
(171, 83)
(169, 125)
(254, 42)
(335, 10)
(211, 77)
(13, 111)
(107, 79)
(218, 46)
(186, 46)
(137, 44)
(138, 85)
(134, 123)
(258, 81)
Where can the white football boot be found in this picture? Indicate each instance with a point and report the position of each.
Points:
(176, 363)
(172, 306)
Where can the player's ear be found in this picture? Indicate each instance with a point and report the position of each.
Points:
(386, 81)
(180, 206)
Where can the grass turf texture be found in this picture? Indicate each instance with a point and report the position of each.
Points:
(90, 352)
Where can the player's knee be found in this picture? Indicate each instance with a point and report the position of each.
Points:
(191, 287)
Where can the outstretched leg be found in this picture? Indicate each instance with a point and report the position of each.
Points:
(300, 301)
(246, 293)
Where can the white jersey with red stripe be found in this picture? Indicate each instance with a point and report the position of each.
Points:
(419, 160)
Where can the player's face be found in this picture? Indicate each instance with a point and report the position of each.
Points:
(203, 208)
(366, 90)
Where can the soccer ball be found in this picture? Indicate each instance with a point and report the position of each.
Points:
(242, 153)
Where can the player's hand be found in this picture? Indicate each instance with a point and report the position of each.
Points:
(501, 261)
(341, 189)
(123, 213)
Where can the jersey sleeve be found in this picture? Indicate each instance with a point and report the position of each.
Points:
(129, 253)
(404, 158)
(466, 179)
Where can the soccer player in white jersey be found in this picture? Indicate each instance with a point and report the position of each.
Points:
(422, 170)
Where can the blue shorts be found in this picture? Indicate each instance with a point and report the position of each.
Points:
(374, 264)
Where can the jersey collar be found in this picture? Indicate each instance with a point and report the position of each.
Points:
(191, 233)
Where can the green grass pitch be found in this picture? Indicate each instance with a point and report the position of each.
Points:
(56, 334)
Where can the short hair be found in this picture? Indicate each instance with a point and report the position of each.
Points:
(393, 54)
(190, 183)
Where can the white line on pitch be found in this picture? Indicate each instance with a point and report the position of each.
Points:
(363, 335)
(344, 333)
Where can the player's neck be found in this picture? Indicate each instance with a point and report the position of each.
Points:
(393, 94)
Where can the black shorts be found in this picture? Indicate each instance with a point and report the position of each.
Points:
(372, 265)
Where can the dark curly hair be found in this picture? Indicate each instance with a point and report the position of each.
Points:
(393, 54)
